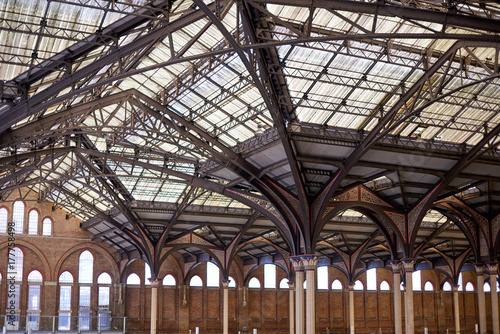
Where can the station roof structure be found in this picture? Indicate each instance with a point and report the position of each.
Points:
(233, 119)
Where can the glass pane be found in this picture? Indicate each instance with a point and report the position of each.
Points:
(15, 263)
(358, 285)
(86, 267)
(322, 278)
(417, 280)
(169, 280)
(269, 276)
(428, 286)
(103, 296)
(66, 277)
(65, 298)
(232, 282)
(133, 279)
(384, 286)
(35, 276)
(147, 274)
(284, 283)
(33, 222)
(104, 278)
(64, 321)
(18, 216)
(196, 281)
(47, 226)
(212, 275)
(3, 220)
(371, 279)
(34, 297)
(254, 283)
(447, 286)
(336, 285)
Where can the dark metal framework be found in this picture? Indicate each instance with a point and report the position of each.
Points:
(360, 131)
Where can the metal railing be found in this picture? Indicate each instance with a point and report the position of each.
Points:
(84, 322)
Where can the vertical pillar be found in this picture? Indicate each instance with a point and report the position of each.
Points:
(351, 307)
(299, 294)
(398, 323)
(291, 286)
(493, 271)
(456, 312)
(155, 283)
(309, 262)
(481, 303)
(408, 265)
(225, 306)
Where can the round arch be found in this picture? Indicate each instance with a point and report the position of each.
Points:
(93, 248)
(43, 260)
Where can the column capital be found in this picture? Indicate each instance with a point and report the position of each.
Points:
(455, 287)
(225, 283)
(480, 268)
(395, 265)
(154, 281)
(350, 286)
(291, 285)
(492, 268)
(304, 262)
(408, 264)
(296, 262)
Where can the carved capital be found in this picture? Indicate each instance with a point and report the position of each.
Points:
(480, 267)
(296, 262)
(225, 283)
(396, 266)
(155, 282)
(408, 264)
(492, 268)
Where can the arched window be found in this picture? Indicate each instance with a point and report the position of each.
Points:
(254, 283)
(33, 313)
(371, 279)
(104, 278)
(16, 263)
(213, 275)
(169, 280)
(269, 276)
(147, 274)
(486, 287)
(384, 286)
(18, 216)
(460, 283)
(103, 300)
(133, 279)
(446, 286)
(358, 285)
(65, 284)
(469, 287)
(15, 260)
(33, 222)
(3, 220)
(336, 285)
(284, 283)
(85, 267)
(232, 282)
(428, 286)
(322, 278)
(196, 281)
(47, 226)
(66, 277)
(416, 278)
